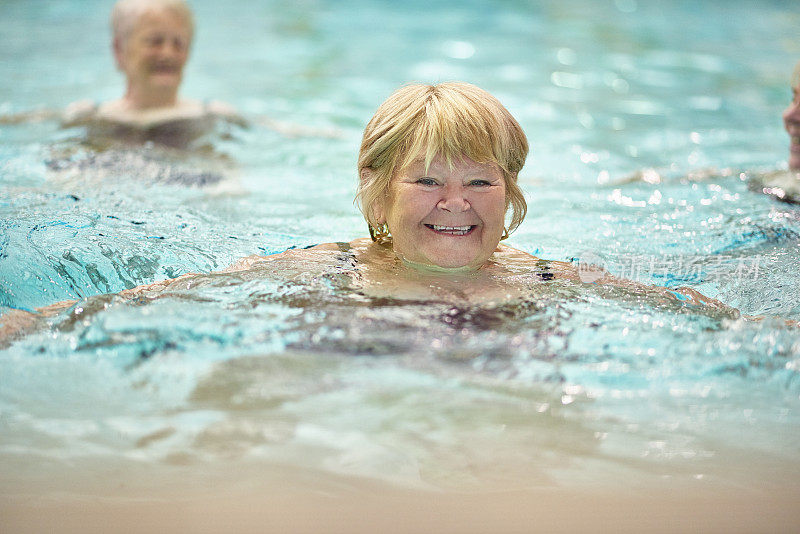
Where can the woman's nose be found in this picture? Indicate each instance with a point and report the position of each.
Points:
(454, 199)
(171, 48)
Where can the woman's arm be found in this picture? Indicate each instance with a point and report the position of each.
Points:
(37, 115)
(226, 112)
(296, 130)
(599, 277)
(681, 295)
(18, 323)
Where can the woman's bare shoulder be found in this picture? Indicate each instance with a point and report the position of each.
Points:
(517, 255)
(120, 111)
(507, 252)
(223, 110)
(356, 246)
(78, 113)
(304, 256)
(519, 258)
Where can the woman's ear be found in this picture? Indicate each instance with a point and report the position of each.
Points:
(116, 46)
(379, 212)
(377, 208)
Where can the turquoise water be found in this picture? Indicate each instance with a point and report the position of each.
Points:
(645, 121)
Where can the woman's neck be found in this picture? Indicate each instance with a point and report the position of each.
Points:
(423, 268)
(136, 99)
(383, 254)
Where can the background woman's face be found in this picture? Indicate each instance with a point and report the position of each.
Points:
(155, 53)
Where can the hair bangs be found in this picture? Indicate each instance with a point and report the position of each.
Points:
(126, 13)
(451, 126)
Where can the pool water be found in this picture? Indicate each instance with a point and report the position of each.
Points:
(643, 139)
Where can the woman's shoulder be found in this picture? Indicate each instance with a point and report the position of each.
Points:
(781, 184)
(510, 253)
(186, 114)
(355, 246)
(79, 112)
(505, 252)
(224, 111)
(310, 258)
(515, 258)
(120, 112)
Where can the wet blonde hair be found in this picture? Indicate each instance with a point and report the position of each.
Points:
(125, 14)
(451, 120)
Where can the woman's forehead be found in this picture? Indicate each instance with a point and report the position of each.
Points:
(440, 166)
(442, 162)
(155, 16)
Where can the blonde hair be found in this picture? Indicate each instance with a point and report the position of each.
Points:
(451, 120)
(796, 76)
(126, 13)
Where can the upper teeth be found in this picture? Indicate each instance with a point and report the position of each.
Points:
(451, 228)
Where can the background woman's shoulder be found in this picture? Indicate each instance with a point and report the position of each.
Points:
(79, 113)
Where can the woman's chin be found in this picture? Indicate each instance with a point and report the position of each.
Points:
(162, 82)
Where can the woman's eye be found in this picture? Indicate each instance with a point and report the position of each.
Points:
(155, 40)
(426, 181)
(481, 183)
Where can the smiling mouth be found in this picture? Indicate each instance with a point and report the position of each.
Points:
(166, 69)
(451, 230)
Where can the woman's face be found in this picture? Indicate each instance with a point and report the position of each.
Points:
(155, 53)
(791, 120)
(446, 217)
